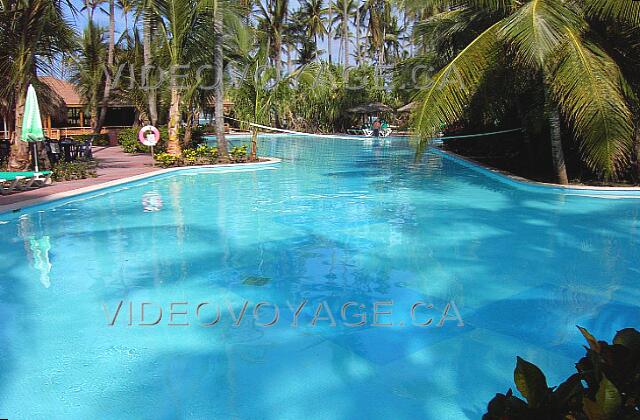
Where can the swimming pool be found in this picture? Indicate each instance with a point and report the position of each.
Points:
(337, 223)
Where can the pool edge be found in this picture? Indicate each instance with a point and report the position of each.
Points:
(49, 199)
(527, 184)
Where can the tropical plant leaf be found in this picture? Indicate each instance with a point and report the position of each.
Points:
(452, 87)
(586, 85)
(593, 343)
(537, 30)
(621, 10)
(568, 389)
(478, 4)
(607, 403)
(628, 337)
(531, 382)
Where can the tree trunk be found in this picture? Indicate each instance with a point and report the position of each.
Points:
(253, 156)
(173, 142)
(146, 48)
(345, 32)
(218, 64)
(188, 130)
(358, 57)
(330, 30)
(289, 59)
(556, 142)
(20, 156)
(277, 48)
(109, 72)
(93, 122)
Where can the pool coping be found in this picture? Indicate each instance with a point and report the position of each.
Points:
(537, 186)
(28, 204)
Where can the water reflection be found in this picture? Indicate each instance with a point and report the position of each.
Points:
(37, 246)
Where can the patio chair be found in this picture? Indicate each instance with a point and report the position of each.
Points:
(11, 181)
(53, 150)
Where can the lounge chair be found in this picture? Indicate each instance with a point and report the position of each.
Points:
(10, 181)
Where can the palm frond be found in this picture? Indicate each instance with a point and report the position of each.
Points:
(456, 4)
(621, 10)
(538, 29)
(586, 85)
(453, 86)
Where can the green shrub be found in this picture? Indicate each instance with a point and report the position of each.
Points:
(207, 152)
(201, 155)
(98, 139)
(189, 156)
(68, 171)
(166, 160)
(605, 387)
(128, 140)
(238, 153)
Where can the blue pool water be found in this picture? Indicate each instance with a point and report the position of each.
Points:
(336, 221)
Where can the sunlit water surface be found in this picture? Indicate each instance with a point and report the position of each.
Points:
(337, 221)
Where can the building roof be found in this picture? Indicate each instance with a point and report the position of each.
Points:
(370, 108)
(65, 90)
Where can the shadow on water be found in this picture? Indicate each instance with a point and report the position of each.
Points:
(523, 268)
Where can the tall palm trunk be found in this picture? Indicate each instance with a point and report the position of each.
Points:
(330, 30)
(173, 143)
(19, 157)
(188, 129)
(109, 72)
(218, 64)
(557, 153)
(358, 47)
(93, 110)
(289, 58)
(277, 48)
(345, 32)
(146, 52)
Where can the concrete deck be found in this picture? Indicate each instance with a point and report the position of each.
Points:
(113, 164)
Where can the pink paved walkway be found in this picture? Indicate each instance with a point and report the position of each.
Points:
(113, 164)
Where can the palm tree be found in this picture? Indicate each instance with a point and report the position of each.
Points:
(32, 34)
(183, 30)
(330, 30)
(218, 64)
(88, 68)
(145, 10)
(346, 10)
(581, 81)
(109, 67)
(297, 36)
(314, 12)
(373, 12)
(274, 16)
(127, 7)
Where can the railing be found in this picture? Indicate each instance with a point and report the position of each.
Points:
(58, 133)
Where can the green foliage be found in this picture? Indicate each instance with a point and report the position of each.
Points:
(552, 43)
(68, 171)
(166, 160)
(315, 98)
(128, 140)
(238, 153)
(605, 387)
(201, 155)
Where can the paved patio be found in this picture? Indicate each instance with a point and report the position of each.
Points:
(113, 164)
